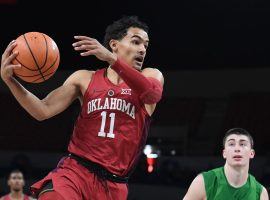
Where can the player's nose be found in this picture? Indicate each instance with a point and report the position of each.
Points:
(142, 50)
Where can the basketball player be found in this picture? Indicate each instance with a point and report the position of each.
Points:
(16, 184)
(111, 130)
(233, 180)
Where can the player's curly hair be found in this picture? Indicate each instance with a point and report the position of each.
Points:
(118, 29)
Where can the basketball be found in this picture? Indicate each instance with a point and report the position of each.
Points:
(38, 55)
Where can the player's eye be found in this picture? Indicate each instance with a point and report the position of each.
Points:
(135, 42)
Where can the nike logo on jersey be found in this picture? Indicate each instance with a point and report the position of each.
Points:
(99, 90)
(126, 91)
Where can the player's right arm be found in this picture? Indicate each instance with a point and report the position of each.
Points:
(57, 101)
(264, 194)
(196, 190)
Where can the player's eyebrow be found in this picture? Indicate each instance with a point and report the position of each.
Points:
(233, 140)
(139, 37)
(243, 140)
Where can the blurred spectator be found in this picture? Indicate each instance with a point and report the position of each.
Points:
(16, 183)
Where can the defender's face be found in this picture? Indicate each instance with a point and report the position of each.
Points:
(16, 181)
(132, 48)
(238, 151)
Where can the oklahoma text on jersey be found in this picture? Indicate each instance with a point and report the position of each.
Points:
(112, 104)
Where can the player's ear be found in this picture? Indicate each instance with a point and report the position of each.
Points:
(224, 154)
(8, 182)
(113, 44)
(252, 153)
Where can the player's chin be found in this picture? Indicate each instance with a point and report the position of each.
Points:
(137, 65)
(238, 164)
(17, 188)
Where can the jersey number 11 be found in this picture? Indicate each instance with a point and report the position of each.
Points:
(101, 133)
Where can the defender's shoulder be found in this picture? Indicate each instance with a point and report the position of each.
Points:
(196, 189)
(264, 194)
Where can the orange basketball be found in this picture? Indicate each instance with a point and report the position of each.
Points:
(38, 55)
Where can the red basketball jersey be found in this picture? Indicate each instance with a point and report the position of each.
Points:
(7, 197)
(112, 127)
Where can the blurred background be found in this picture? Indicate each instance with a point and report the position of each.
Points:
(214, 56)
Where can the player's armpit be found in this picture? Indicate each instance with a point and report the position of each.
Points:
(264, 194)
(196, 191)
(59, 99)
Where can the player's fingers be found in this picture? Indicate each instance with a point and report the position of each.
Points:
(9, 48)
(88, 53)
(82, 42)
(18, 66)
(81, 37)
(12, 41)
(85, 47)
(11, 57)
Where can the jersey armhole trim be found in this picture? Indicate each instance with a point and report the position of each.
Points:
(88, 87)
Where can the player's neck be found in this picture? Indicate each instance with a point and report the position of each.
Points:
(16, 195)
(113, 76)
(236, 176)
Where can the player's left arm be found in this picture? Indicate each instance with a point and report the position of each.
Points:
(264, 194)
(153, 74)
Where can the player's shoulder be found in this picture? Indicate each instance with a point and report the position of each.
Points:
(151, 70)
(199, 180)
(264, 194)
(79, 77)
(211, 175)
(196, 189)
(83, 72)
(153, 73)
(199, 186)
(3, 197)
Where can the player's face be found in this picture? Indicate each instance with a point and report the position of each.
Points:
(238, 151)
(132, 48)
(16, 181)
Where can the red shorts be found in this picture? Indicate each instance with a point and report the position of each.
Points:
(74, 182)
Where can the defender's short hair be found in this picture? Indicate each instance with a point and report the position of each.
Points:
(238, 131)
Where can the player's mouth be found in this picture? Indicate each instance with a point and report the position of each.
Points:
(139, 60)
(237, 157)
